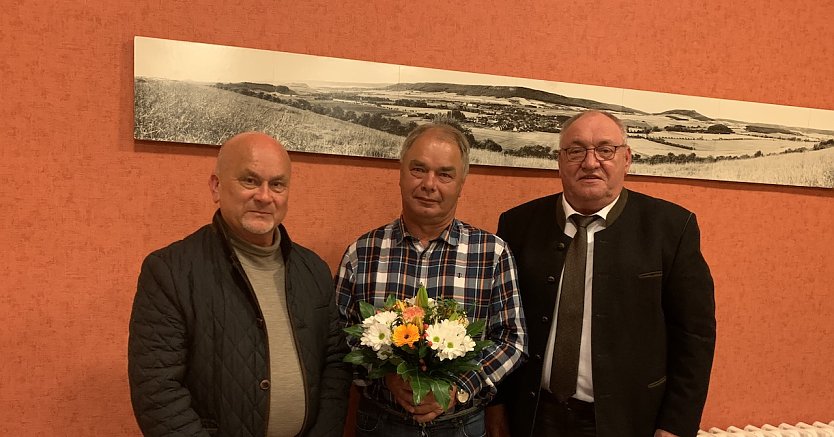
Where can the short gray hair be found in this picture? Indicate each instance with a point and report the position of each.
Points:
(616, 120)
(446, 128)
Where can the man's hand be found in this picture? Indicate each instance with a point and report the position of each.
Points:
(662, 433)
(497, 422)
(426, 411)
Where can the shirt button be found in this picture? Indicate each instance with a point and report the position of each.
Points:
(265, 384)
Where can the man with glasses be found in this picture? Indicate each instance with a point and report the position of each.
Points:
(618, 298)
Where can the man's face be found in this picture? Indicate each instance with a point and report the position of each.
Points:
(252, 187)
(431, 179)
(592, 184)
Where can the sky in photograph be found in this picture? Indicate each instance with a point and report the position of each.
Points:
(181, 60)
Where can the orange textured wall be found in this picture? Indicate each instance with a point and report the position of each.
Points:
(82, 202)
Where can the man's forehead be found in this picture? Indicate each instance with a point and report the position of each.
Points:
(264, 173)
(593, 129)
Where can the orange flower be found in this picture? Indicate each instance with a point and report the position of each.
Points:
(406, 334)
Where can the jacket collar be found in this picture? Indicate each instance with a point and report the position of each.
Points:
(222, 229)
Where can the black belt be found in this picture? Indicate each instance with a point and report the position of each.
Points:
(573, 405)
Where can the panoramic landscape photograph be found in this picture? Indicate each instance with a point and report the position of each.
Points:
(189, 92)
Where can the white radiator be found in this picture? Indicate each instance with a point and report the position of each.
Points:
(801, 429)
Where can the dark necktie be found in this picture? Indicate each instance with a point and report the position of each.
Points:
(565, 366)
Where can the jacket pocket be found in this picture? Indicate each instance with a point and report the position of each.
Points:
(654, 274)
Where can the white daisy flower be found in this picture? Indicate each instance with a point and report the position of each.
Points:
(449, 339)
(376, 336)
(386, 318)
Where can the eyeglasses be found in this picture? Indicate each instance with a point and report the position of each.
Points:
(602, 153)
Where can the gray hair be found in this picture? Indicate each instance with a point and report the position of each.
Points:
(446, 128)
(616, 120)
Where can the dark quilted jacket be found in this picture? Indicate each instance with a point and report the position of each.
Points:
(197, 355)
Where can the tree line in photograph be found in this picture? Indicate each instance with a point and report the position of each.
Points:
(514, 118)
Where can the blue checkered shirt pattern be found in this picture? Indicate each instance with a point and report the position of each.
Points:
(464, 263)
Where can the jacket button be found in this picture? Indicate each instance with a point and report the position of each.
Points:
(561, 246)
(538, 357)
(532, 395)
(545, 319)
(551, 279)
(265, 384)
(260, 322)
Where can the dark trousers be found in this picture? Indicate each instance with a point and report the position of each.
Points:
(573, 418)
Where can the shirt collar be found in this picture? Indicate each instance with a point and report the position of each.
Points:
(603, 213)
(450, 235)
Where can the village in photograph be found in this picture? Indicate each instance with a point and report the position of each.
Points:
(507, 124)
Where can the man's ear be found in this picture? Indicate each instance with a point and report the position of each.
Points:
(628, 159)
(214, 186)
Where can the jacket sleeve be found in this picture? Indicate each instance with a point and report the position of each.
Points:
(157, 353)
(689, 309)
(336, 377)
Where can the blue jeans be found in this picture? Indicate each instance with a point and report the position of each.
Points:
(373, 421)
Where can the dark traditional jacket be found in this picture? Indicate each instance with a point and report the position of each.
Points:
(653, 321)
(198, 360)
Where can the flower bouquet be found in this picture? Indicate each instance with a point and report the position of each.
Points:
(428, 343)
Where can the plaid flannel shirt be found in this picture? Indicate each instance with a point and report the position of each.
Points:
(464, 263)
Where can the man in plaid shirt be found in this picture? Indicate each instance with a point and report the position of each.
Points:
(428, 245)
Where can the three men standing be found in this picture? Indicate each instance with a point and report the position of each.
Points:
(616, 291)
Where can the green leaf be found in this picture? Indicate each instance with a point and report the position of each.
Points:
(441, 390)
(356, 357)
(390, 301)
(422, 299)
(405, 368)
(482, 344)
(355, 331)
(366, 309)
(378, 372)
(418, 381)
(475, 327)
(461, 367)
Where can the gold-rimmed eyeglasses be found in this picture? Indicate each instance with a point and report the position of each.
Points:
(602, 153)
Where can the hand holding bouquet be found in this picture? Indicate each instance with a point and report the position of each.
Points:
(428, 343)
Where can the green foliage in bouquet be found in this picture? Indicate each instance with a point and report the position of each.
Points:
(428, 343)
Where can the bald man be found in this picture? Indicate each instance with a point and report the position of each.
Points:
(234, 329)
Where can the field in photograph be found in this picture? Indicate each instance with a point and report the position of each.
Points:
(195, 113)
(813, 169)
(488, 157)
(510, 140)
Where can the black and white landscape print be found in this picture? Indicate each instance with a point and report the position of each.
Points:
(200, 93)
